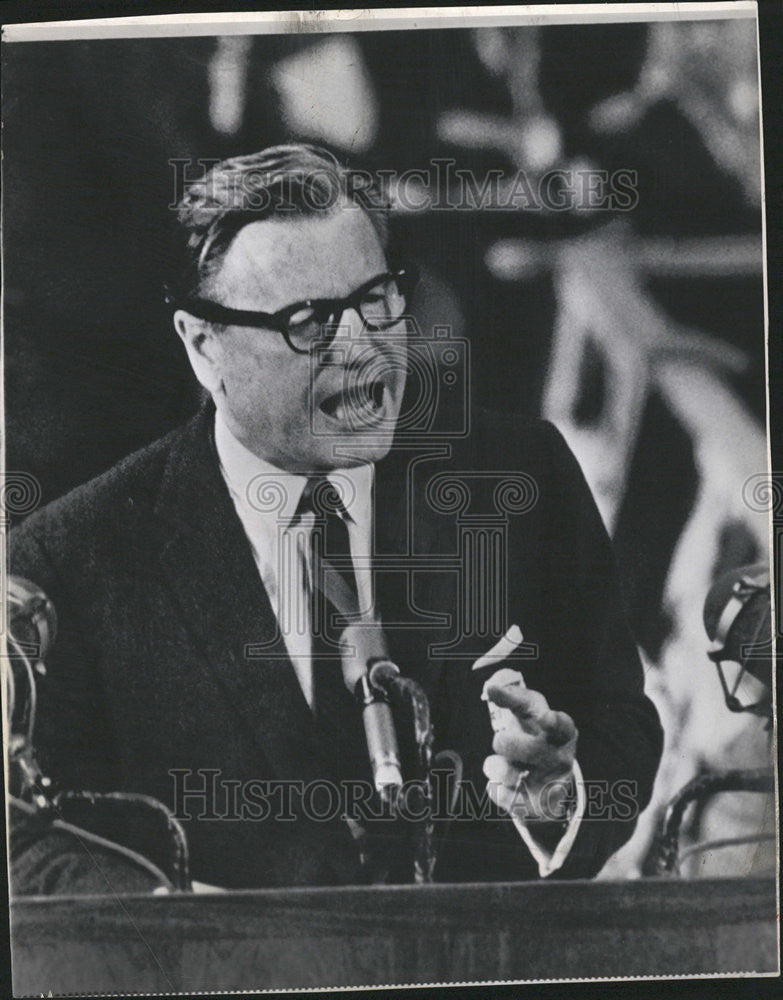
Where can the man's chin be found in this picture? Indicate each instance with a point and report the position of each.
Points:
(350, 448)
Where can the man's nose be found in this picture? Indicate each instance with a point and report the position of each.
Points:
(350, 324)
(347, 333)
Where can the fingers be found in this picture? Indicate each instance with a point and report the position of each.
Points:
(559, 728)
(533, 711)
(499, 771)
(519, 793)
(518, 747)
(505, 785)
(535, 753)
(523, 702)
(506, 799)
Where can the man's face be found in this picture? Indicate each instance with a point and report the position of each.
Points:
(337, 408)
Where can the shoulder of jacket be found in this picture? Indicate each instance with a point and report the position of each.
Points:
(495, 435)
(129, 485)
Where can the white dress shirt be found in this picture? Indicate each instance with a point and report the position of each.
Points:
(266, 499)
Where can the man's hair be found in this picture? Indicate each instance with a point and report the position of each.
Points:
(279, 182)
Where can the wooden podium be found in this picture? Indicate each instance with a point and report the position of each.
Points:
(293, 939)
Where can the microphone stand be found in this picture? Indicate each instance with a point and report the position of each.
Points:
(407, 693)
(33, 625)
(703, 786)
(368, 670)
(123, 808)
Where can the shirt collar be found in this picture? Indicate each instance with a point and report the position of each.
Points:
(266, 490)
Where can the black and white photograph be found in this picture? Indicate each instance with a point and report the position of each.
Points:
(388, 518)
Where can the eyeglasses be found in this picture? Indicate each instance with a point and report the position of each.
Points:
(381, 302)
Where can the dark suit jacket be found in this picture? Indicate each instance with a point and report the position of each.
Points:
(159, 603)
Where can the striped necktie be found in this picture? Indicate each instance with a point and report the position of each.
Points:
(332, 595)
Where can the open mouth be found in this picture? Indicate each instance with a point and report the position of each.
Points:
(358, 403)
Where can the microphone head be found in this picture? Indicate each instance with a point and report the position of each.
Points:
(359, 644)
(738, 620)
(32, 625)
(31, 617)
(383, 672)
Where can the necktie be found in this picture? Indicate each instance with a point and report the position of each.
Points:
(338, 717)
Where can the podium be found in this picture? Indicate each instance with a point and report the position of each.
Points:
(400, 935)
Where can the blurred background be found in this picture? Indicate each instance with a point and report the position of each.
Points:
(639, 333)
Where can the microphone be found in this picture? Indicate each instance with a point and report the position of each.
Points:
(738, 621)
(32, 618)
(103, 820)
(359, 673)
(32, 625)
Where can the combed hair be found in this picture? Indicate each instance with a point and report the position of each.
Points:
(278, 182)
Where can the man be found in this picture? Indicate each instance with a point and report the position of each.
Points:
(189, 666)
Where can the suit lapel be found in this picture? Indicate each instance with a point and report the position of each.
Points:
(406, 530)
(209, 566)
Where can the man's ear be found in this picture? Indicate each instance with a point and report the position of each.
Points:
(203, 347)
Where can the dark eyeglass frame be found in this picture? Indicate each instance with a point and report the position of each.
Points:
(327, 311)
